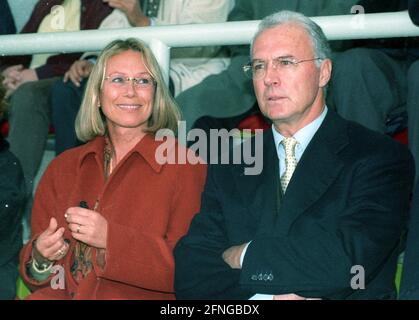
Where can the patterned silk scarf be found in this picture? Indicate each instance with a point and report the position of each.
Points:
(82, 252)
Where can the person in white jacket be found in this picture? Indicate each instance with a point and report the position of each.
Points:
(188, 66)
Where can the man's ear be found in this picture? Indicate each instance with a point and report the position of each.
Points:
(325, 72)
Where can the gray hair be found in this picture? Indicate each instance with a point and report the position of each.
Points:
(320, 44)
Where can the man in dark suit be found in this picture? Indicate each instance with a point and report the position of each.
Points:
(324, 217)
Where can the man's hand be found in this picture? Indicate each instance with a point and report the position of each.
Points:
(87, 226)
(132, 10)
(11, 78)
(15, 76)
(12, 72)
(79, 69)
(232, 256)
(11, 85)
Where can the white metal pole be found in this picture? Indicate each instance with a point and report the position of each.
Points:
(378, 25)
(162, 53)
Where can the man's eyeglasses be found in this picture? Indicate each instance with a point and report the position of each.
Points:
(256, 69)
(142, 82)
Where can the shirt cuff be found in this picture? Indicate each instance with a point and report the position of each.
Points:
(259, 296)
(243, 253)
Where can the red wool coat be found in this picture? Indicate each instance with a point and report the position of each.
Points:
(148, 207)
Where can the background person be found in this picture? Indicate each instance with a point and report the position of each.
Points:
(376, 83)
(12, 197)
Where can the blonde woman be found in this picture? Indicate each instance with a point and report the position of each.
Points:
(107, 215)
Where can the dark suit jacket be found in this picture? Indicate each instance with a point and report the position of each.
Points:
(92, 14)
(345, 205)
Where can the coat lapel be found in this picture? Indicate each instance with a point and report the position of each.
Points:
(316, 171)
(259, 193)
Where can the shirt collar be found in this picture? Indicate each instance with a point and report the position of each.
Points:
(146, 148)
(304, 135)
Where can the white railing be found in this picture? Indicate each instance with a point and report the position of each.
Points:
(162, 38)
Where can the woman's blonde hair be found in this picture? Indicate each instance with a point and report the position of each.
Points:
(90, 121)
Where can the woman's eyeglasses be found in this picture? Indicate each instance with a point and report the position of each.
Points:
(141, 82)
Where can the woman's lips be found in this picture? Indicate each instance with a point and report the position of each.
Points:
(129, 106)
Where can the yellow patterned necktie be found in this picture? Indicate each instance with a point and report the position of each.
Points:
(290, 161)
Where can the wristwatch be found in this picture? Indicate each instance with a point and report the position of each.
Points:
(39, 263)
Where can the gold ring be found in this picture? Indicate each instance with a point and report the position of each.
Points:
(60, 253)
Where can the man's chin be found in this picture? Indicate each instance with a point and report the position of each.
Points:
(276, 115)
